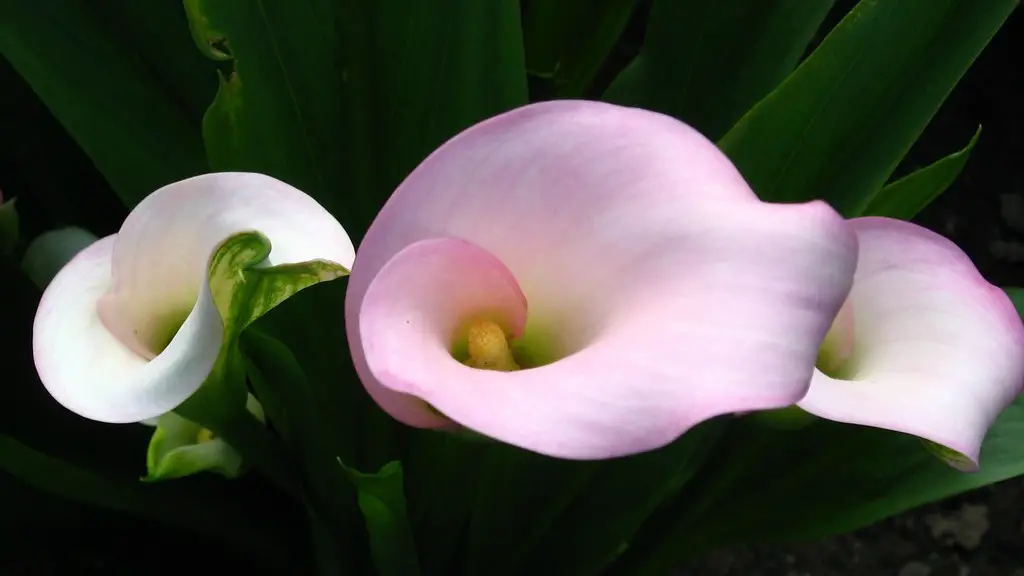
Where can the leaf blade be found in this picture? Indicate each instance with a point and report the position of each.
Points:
(382, 500)
(707, 63)
(906, 197)
(838, 126)
(103, 94)
(823, 480)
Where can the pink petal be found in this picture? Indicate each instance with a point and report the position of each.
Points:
(938, 352)
(420, 299)
(128, 329)
(672, 293)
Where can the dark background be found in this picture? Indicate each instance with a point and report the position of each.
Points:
(978, 534)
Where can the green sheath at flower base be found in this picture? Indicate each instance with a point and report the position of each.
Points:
(180, 448)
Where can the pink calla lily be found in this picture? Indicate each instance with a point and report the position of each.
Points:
(925, 345)
(610, 266)
(129, 329)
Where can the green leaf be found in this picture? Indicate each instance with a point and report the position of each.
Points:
(342, 99)
(611, 498)
(159, 33)
(440, 495)
(426, 74)
(296, 410)
(382, 500)
(103, 93)
(568, 40)
(768, 486)
(243, 291)
(707, 62)
(904, 198)
(164, 503)
(280, 110)
(840, 124)
(617, 500)
(511, 481)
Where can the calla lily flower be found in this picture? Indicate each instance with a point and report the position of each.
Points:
(586, 281)
(132, 325)
(924, 345)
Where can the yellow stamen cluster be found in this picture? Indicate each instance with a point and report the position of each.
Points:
(488, 348)
(204, 435)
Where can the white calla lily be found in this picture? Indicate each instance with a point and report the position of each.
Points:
(130, 327)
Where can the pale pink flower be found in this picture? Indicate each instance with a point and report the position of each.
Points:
(924, 344)
(643, 286)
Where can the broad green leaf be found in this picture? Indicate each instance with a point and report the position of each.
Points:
(159, 33)
(382, 501)
(164, 503)
(567, 41)
(707, 62)
(840, 124)
(518, 498)
(611, 498)
(904, 198)
(342, 99)
(305, 418)
(427, 73)
(103, 93)
(243, 291)
(616, 501)
(769, 486)
(444, 471)
(279, 111)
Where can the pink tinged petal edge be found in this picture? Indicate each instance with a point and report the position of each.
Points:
(680, 294)
(938, 351)
(86, 340)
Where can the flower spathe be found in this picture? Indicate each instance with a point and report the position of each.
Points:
(128, 329)
(924, 345)
(637, 284)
